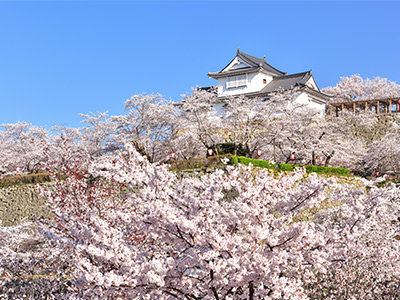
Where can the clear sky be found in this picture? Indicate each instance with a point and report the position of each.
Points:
(61, 58)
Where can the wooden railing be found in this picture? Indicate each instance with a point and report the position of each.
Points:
(378, 106)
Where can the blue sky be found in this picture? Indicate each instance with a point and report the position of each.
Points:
(61, 58)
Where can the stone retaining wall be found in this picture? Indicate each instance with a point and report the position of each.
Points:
(18, 202)
(22, 201)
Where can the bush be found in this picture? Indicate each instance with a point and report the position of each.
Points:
(327, 170)
(315, 169)
(234, 160)
(228, 148)
(256, 162)
(288, 167)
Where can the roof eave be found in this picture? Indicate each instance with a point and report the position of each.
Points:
(318, 93)
(220, 74)
(270, 73)
(257, 61)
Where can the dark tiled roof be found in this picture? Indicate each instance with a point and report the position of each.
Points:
(254, 61)
(211, 89)
(234, 72)
(287, 82)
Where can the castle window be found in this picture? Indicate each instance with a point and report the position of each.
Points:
(236, 81)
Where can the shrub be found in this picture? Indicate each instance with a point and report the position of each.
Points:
(234, 160)
(327, 170)
(256, 162)
(228, 148)
(288, 167)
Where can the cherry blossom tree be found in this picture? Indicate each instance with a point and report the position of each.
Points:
(186, 145)
(365, 130)
(348, 89)
(70, 135)
(366, 264)
(337, 144)
(383, 155)
(29, 267)
(125, 228)
(199, 121)
(381, 88)
(251, 122)
(150, 242)
(21, 145)
(364, 143)
(100, 135)
(148, 124)
(356, 88)
(289, 127)
(245, 121)
(133, 231)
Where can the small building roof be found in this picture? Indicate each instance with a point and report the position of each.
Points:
(298, 80)
(287, 82)
(255, 63)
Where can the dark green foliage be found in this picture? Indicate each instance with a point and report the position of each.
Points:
(228, 148)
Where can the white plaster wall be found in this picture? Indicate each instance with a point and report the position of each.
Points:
(302, 98)
(306, 100)
(237, 63)
(311, 83)
(317, 106)
(254, 84)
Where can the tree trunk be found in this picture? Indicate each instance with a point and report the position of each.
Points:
(313, 158)
(142, 151)
(328, 158)
(249, 153)
(251, 291)
(235, 150)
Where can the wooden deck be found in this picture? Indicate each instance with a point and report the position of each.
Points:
(378, 106)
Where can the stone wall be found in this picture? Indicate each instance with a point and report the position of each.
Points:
(18, 202)
(22, 201)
